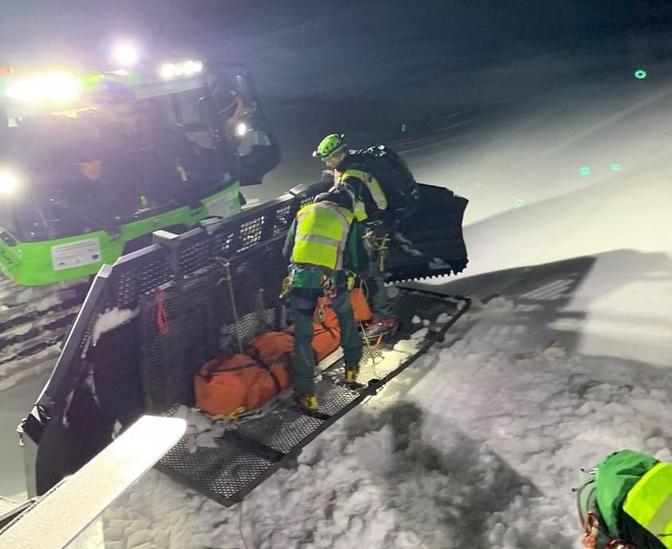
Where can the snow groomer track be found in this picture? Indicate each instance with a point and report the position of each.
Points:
(33, 323)
(154, 318)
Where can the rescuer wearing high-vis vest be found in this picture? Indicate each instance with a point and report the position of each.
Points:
(626, 503)
(322, 244)
(370, 205)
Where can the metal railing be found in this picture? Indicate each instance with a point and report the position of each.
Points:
(62, 516)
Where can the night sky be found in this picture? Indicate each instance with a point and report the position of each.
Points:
(371, 68)
(304, 40)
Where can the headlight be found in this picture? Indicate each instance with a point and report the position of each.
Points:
(187, 68)
(57, 87)
(9, 181)
(241, 129)
(125, 53)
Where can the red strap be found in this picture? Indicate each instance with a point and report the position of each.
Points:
(161, 317)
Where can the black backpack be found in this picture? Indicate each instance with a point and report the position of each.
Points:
(391, 171)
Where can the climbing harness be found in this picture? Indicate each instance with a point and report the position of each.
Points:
(382, 249)
(329, 292)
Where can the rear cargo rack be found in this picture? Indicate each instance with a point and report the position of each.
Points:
(151, 320)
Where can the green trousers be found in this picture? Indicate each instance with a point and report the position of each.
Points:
(303, 302)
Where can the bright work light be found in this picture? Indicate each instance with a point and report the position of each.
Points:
(57, 87)
(9, 181)
(241, 129)
(187, 68)
(125, 53)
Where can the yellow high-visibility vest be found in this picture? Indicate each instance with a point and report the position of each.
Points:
(321, 235)
(374, 188)
(649, 502)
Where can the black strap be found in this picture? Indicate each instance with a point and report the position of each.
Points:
(219, 369)
(274, 378)
(254, 353)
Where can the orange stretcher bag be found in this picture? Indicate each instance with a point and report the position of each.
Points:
(228, 386)
(271, 347)
(360, 306)
(221, 384)
(266, 384)
(327, 335)
(274, 351)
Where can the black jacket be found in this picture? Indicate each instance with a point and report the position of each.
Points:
(358, 187)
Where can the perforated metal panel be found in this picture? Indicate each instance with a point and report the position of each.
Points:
(195, 253)
(222, 472)
(283, 218)
(282, 430)
(132, 278)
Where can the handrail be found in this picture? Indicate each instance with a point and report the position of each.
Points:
(73, 504)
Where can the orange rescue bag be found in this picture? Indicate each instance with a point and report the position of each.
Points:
(274, 351)
(270, 347)
(228, 386)
(360, 306)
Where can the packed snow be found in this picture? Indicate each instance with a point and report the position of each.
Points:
(479, 445)
(110, 320)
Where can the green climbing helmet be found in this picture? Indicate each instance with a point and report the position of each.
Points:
(329, 146)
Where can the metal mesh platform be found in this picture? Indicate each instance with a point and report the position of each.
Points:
(200, 295)
(221, 472)
(252, 448)
(380, 363)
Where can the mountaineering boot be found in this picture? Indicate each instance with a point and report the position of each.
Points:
(307, 402)
(350, 377)
(381, 328)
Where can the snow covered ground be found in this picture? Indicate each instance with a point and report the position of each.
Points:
(563, 359)
(479, 445)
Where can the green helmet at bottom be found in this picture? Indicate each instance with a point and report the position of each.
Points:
(625, 503)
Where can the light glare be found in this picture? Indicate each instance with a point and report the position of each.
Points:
(58, 87)
(187, 68)
(241, 129)
(126, 54)
(9, 181)
(167, 71)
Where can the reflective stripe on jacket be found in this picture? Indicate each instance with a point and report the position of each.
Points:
(374, 187)
(321, 235)
(649, 502)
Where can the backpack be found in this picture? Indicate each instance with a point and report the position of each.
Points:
(391, 171)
